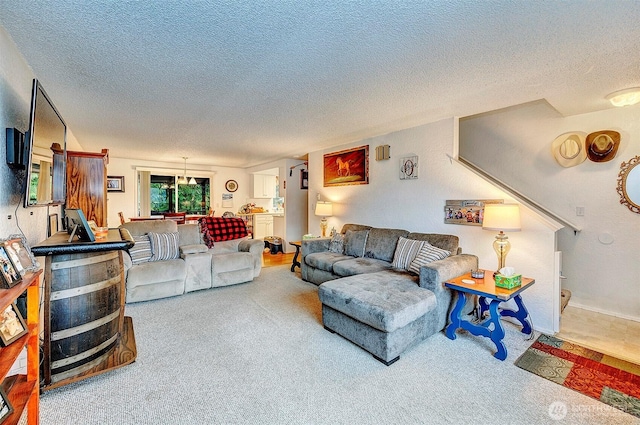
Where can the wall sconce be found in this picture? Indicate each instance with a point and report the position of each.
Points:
(324, 210)
(626, 97)
(501, 217)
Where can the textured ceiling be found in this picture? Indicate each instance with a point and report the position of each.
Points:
(239, 83)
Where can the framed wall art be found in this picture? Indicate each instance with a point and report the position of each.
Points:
(409, 168)
(8, 270)
(52, 226)
(467, 212)
(115, 183)
(347, 167)
(12, 325)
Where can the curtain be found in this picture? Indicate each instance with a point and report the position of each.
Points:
(144, 193)
(43, 194)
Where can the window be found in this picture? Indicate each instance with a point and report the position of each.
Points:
(165, 195)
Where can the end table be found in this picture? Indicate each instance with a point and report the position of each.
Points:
(486, 289)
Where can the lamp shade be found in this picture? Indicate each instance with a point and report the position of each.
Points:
(504, 217)
(324, 209)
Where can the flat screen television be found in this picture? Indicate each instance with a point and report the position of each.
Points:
(77, 225)
(45, 152)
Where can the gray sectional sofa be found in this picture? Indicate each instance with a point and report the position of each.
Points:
(196, 266)
(382, 308)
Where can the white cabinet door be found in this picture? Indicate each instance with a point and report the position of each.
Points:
(264, 186)
(262, 226)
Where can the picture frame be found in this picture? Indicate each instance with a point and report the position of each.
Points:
(347, 167)
(52, 226)
(115, 183)
(77, 225)
(9, 272)
(6, 408)
(12, 325)
(304, 179)
(20, 253)
(469, 212)
(409, 168)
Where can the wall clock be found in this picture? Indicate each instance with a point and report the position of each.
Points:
(409, 168)
(231, 185)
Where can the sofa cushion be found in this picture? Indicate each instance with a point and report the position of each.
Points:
(385, 300)
(381, 243)
(164, 246)
(324, 260)
(447, 242)
(427, 254)
(137, 228)
(152, 273)
(215, 229)
(336, 245)
(406, 251)
(354, 242)
(352, 266)
(222, 263)
(141, 251)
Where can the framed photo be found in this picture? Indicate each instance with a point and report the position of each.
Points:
(52, 227)
(304, 179)
(5, 407)
(77, 225)
(12, 325)
(8, 270)
(347, 167)
(409, 168)
(467, 212)
(20, 253)
(115, 183)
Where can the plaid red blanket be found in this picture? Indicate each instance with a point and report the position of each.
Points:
(216, 229)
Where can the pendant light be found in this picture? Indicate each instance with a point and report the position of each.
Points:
(183, 178)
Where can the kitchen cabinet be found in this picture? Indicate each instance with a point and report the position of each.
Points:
(264, 186)
(262, 226)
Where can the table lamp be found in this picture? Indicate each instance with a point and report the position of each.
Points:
(502, 217)
(324, 210)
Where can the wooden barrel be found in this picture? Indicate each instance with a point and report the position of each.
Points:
(84, 313)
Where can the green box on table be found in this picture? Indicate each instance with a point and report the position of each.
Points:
(508, 282)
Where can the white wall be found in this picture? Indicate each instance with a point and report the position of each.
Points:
(418, 205)
(514, 145)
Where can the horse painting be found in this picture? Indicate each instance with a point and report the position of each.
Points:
(343, 167)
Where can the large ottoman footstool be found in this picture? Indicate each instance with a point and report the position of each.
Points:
(384, 312)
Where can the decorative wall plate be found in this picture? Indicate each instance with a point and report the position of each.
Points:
(231, 185)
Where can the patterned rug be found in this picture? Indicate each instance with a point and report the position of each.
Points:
(612, 381)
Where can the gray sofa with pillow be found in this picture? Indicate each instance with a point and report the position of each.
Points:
(170, 259)
(383, 289)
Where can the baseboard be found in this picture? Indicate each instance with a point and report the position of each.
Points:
(601, 311)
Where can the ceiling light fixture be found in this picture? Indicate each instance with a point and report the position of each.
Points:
(626, 97)
(183, 179)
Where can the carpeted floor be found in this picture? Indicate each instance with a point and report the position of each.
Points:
(257, 353)
(613, 381)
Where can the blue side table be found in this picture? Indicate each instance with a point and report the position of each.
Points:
(487, 291)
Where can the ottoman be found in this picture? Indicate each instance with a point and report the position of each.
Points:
(384, 312)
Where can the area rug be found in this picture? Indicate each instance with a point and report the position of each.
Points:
(608, 379)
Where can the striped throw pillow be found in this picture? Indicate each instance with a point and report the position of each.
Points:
(406, 251)
(427, 254)
(164, 246)
(141, 251)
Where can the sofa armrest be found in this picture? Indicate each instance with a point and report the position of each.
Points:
(435, 274)
(254, 246)
(193, 249)
(309, 246)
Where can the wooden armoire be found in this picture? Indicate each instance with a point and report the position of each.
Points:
(87, 184)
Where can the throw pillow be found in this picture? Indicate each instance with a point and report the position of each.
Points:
(354, 242)
(337, 243)
(141, 251)
(406, 251)
(164, 246)
(427, 254)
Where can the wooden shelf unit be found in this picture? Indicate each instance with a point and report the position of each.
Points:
(25, 391)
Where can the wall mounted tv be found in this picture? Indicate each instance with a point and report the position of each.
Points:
(45, 152)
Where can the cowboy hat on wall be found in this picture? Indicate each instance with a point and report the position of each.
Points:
(602, 146)
(569, 148)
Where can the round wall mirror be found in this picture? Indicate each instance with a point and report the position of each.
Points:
(629, 184)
